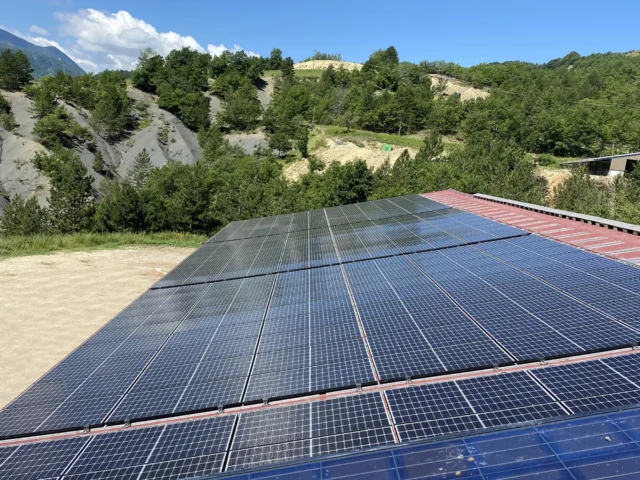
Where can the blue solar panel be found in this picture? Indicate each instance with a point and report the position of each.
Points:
(566, 450)
(41, 460)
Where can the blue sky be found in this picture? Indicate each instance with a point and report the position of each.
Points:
(466, 32)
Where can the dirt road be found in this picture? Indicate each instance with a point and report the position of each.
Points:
(50, 304)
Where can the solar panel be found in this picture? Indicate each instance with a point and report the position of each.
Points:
(461, 406)
(330, 236)
(589, 386)
(338, 299)
(41, 460)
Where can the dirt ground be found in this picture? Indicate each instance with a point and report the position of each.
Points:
(343, 152)
(554, 177)
(324, 64)
(452, 85)
(50, 304)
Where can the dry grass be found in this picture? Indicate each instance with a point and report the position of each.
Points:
(13, 246)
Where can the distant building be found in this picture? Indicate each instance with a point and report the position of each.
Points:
(611, 166)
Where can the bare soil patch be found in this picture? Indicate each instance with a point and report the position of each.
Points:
(453, 86)
(325, 64)
(50, 304)
(343, 151)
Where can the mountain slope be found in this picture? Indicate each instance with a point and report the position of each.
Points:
(44, 60)
(161, 133)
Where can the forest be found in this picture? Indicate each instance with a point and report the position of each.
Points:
(573, 106)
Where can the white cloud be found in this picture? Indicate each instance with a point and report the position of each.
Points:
(38, 30)
(114, 40)
(102, 40)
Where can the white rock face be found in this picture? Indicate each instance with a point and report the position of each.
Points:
(18, 176)
(21, 107)
(163, 135)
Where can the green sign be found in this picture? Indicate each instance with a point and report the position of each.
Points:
(387, 147)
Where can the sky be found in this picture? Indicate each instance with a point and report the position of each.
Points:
(102, 34)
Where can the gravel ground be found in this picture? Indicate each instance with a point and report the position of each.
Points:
(50, 304)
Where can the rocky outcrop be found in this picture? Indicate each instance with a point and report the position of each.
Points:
(160, 132)
(21, 107)
(18, 176)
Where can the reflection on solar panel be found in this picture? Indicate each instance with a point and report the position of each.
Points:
(604, 446)
(333, 301)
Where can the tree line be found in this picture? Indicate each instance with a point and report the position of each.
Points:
(227, 184)
(387, 95)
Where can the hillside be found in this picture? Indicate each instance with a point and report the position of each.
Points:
(161, 133)
(44, 60)
(268, 144)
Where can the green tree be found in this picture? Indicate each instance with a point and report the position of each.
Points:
(149, 66)
(7, 119)
(22, 217)
(228, 83)
(120, 208)
(431, 149)
(180, 197)
(287, 70)
(98, 163)
(274, 62)
(15, 70)
(139, 173)
(72, 202)
(279, 141)
(111, 113)
(5, 106)
(44, 100)
(302, 140)
(241, 110)
(59, 129)
(579, 193)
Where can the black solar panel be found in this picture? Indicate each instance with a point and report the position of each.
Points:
(40, 460)
(333, 235)
(589, 386)
(461, 406)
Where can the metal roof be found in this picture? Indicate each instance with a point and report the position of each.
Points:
(599, 159)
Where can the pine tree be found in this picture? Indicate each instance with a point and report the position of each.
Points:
(22, 217)
(302, 140)
(98, 162)
(111, 112)
(15, 70)
(72, 201)
(44, 101)
(139, 174)
(287, 69)
(431, 149)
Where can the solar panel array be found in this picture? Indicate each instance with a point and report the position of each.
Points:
(276, 434)
(331, 236)
(601, 447)
(334, 299)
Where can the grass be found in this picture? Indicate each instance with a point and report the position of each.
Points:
(14, 246)
(333, 131)
(363, 135)
(552, 161)
(144, 124)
